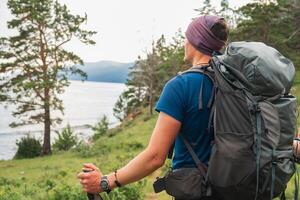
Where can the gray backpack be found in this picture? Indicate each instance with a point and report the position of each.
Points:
(254, 122)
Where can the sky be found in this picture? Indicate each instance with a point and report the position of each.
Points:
(125, 28)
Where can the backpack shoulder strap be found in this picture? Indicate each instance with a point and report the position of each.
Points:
(206, 70)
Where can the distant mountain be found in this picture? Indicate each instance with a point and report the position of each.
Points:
(105, 71)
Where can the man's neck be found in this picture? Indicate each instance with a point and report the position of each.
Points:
(201, 60)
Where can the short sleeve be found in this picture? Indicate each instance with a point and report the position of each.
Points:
(171, 100)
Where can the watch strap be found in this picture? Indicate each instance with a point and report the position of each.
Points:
(118, 184)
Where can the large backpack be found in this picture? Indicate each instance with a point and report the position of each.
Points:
(254, 122)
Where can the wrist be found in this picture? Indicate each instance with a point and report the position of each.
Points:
(114, 180)
(111, 180)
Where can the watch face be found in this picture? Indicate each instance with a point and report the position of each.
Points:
(104, 184)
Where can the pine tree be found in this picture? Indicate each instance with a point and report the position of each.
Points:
(275, 23)
(207, 9)
(148, 76)
(34, 66)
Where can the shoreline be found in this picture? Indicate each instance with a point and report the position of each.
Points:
(76, 127)
(84, 102)
(83, 132)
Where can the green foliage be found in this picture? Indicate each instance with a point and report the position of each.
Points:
(84, 150)
(228, 13)
(66, 139)
(275, 23)
(128, 192)
(148, 76)
(28, 147)
(36, 57)
(207, 8)
(101, 128)
(120, 107)
(7, 192)
(54, 177)
(59, 190)
(55, 190)
(129, 102)
(67, 192)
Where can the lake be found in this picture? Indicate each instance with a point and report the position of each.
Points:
(85, 103)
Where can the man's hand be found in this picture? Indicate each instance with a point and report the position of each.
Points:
(90, 181)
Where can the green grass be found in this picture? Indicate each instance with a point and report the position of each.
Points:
(108, 153)
(297, 78)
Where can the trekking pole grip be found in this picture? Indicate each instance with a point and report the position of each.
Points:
(89, 195)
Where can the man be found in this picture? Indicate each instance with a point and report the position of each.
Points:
(179, 112)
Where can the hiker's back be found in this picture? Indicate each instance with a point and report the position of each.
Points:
(180, 99)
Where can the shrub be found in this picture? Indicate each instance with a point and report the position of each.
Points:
(84, 150)
(67, 192)
(146, 118)
(100, 128)
(114, 131)
(128, 192)
(8, 192)
(66, 139)
(28, 147)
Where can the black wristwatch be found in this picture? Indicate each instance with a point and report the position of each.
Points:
(104, 184)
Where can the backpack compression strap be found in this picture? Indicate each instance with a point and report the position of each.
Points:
(202, 167)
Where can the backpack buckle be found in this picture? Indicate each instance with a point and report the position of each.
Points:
(255, 108)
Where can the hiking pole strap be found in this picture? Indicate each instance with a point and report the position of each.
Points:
(202, 167)
(282, 196)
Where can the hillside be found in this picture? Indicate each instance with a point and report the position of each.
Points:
(105, 71)
(54, 177)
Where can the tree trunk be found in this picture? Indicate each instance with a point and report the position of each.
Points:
(47, 127)
(47, 119)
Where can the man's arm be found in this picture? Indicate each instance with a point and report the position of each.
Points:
(152, 158)
(297, 147)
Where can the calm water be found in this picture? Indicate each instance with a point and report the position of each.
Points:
(85, 103)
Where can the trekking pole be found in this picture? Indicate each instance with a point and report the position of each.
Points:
(89, 195)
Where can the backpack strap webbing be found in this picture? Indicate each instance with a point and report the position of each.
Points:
(207, 70)
(202, 167)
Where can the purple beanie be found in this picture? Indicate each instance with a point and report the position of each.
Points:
(200, 36)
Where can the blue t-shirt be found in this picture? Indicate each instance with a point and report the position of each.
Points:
(180, 100)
